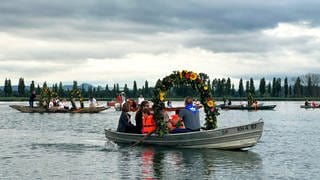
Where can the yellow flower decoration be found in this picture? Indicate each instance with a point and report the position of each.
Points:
(210, 103)
(180, 74)
(193, 76)
(205, 87)
(161, 95)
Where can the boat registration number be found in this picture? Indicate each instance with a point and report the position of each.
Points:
(247, 127)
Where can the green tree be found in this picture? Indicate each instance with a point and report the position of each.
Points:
(75, 85)
(60, 90)
(55, 88)
(252, 88)
(278, 87)
(241, 89)
(114, 90)
(135, 89)
(9, 88)
(83, 91)
(233, 90)
(90, 91)
(107, 91)
(126, 90)
(269, 90)
(273, 92)
(44, 85)
(286, 87)
(38, 90)
(290, 91)
(262, 87)
(146, 88)
(21, 87)
(118, 89)
(309, 87)
(297, 89)
(247, 87)
(228, 87)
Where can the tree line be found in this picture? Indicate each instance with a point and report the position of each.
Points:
(302, 86)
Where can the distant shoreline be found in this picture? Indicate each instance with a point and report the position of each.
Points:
(8, 99)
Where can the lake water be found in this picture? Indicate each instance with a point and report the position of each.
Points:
(73, 146)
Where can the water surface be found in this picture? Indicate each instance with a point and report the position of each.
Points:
(73, 146)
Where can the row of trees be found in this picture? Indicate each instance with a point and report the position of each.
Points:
(302, 86)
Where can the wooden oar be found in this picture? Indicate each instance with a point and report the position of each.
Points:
(142, 139)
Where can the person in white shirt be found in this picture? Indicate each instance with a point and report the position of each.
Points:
(123, 98)
(140, 99)
(51, 104)
(92, 102)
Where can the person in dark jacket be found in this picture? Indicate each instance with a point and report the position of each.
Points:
(138, 117)
(32, 98)
(125, 124)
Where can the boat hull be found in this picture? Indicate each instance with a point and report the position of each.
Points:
(239, 107)
(27, 109)
(309, 107)
(237, 137)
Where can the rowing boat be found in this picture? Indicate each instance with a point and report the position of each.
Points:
(308, 107)
(28, 109)
(237, 137)
(241, 107)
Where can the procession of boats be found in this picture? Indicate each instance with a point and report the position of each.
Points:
(28, 109)
(237, 137)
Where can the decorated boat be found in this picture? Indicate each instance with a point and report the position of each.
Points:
(210, 136)
(237, 137)
(27, 109)
(241, 107)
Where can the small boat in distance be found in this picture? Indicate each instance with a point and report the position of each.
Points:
(309, 107)
(27, 109)
(241, 107)
(237, 137)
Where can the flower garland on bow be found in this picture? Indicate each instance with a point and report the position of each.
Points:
(197, 82)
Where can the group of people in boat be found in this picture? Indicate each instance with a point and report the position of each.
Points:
(121, 99)
(312, 104)
(186, 120)
(56, 103)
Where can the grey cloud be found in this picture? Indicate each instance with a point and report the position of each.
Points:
(213, 16)
(113, 29)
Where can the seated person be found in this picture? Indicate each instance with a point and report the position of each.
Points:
(148, 125)
(306, 103)
(51, 104)
(65, 104)
(175, 125)
(190, 115)
(254, 104)
(125, 124)
(138, 117)
(92, 102)
(313, 104)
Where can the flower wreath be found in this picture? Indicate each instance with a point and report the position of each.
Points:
(45, 97)
(197, 82)
(75, 93)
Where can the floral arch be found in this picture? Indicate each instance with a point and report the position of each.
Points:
(183, 78)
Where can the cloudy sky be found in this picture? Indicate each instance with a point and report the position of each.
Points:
(101, 41)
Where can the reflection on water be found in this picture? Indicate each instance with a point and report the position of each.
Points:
(162, 163)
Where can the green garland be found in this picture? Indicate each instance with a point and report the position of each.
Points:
(197, 82)
(45, 97)
(75, 93)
